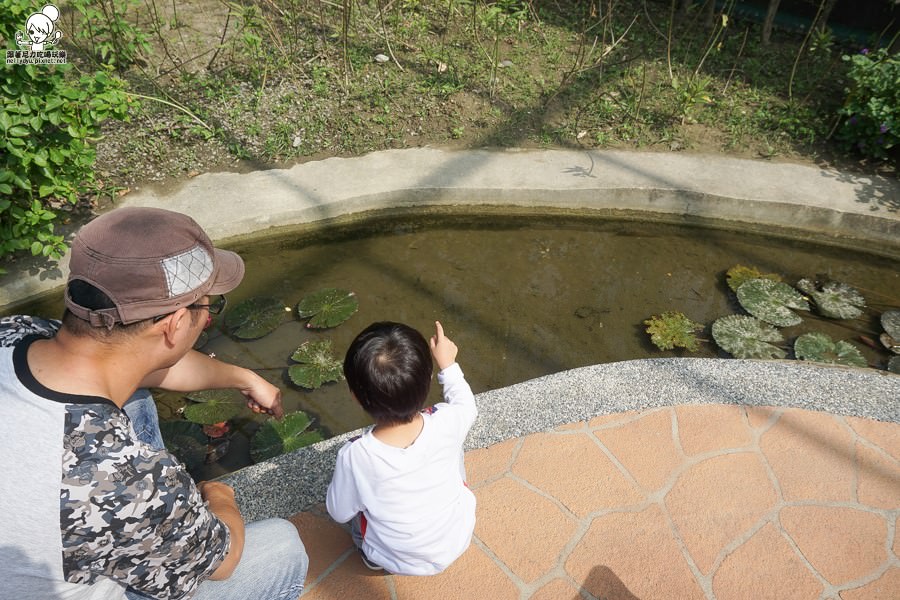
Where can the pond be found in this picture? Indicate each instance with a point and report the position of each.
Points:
(521, 296)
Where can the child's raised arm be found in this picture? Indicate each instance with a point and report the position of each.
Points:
(442, 348)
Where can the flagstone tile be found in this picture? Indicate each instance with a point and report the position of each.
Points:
(897, 538)
(767, 565)
(879, 479)
(759, 416)
(525, 530)
(812, 455)
(485, 464)
(324, 539)
(558, 589)
(884, 435)
(473, 575)
(571, 426)
(718, 499)
(574, 470)
(886, 587)
(630, 556)
(350, 580)
(842, 544)
(711, 427)
(646, 448)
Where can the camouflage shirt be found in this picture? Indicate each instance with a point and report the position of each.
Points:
(93, 509)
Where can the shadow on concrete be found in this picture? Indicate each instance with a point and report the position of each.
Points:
(603, 583)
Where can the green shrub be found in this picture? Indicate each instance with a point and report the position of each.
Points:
(49, 117)
(871, 111)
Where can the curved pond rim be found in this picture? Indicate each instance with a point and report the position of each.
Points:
(293, 482)
(37, 286)
(474, 215)
(855, 210)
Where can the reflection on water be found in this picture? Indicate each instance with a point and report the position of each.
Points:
(526, 296)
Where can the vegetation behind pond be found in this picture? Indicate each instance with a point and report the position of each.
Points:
(243, 85)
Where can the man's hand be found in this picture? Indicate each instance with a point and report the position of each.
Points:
(442, 348)
(263, 397)
(197, 371)
(216, 491)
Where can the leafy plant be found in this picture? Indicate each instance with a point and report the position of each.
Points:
(771, 301)
(672, 329)
(185, 440)
(818, 347)
(834, 299)
(747, 337)
(255, 317)
(49, 120)
(738, 274)
(279, 437)
(327, 308)
(317, 365)
(108, 31)
(870, 116)
(213, 406)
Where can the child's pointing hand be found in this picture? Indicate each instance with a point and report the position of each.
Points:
(442, 348)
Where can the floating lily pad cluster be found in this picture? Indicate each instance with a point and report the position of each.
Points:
(775, 304)
(314, 365)
(771, 304)
(890, 321)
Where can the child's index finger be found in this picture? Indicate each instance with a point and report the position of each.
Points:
(439, 329)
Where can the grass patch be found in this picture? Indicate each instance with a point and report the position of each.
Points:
(283, 81)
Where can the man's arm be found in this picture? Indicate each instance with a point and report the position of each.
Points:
(197, 371)
(220, 500)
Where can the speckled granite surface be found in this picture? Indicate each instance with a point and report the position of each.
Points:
(293, 482)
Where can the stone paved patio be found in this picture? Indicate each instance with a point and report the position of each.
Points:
(701, 501)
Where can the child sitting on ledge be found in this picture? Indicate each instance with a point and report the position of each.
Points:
(402, 483)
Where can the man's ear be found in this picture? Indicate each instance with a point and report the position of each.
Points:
(172, 323)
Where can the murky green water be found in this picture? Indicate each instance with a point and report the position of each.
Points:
(526, 296)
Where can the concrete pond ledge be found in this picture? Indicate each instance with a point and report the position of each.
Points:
(291, 483)
(831, 206)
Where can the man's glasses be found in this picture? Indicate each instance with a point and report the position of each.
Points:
(214, 307)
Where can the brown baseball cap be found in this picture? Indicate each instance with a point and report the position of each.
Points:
(150, 262)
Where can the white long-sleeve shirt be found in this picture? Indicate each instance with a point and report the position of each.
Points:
(420, 513)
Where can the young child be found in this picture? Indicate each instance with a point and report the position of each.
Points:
(402, 483)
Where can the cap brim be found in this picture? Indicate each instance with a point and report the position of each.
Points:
(229, 272)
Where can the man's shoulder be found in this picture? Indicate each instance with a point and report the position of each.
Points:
(15, 328)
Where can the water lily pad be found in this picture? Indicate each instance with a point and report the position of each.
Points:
(277, 437)
(747, 337)
(672, 329)
(185, 440)
(894, 365)
(834, 299)
(317, 365)
(890, 343)
(327, 308)
(771, 301)
(214, 409)
(818, 347)
(890, 322)
(254, 318)
(738, 274)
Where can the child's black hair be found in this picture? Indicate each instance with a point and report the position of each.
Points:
(388, 368)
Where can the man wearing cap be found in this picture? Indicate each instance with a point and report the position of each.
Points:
(92, 506)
